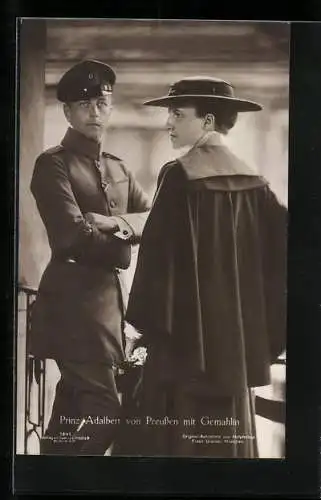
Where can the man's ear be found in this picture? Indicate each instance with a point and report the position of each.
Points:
(67, 111)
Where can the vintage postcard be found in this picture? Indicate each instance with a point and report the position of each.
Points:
(153, 194)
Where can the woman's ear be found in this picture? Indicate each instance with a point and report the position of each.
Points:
(209, 122)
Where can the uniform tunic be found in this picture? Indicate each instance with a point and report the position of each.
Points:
(79, 310)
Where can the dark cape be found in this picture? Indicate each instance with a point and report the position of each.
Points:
(209, 291)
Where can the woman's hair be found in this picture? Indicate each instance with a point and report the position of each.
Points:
(225, 116)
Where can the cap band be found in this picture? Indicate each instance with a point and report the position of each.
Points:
(88, 92)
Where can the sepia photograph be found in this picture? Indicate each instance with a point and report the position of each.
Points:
(151, 285)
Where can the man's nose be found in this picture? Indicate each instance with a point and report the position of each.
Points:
(93, 109)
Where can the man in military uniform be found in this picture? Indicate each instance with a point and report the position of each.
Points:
(93, 211)
(210, 301)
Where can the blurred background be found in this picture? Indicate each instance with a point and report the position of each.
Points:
(148, 56)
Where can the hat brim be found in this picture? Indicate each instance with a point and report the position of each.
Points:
(239, 105)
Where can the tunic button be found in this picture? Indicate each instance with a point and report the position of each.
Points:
(112, 204)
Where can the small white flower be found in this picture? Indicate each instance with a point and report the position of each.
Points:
(139, 356)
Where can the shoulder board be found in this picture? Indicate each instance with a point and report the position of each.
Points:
(53, 150)
(112, 157)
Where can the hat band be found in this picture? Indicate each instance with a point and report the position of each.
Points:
(220, 89)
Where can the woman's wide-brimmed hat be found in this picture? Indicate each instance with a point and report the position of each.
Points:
(194, 89)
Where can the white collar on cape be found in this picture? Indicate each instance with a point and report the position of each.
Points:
(211, 157)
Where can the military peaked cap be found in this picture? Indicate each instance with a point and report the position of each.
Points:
(85, 80)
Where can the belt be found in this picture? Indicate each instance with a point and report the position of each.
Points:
(73, 261)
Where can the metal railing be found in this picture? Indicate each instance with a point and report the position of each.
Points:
(35, 378)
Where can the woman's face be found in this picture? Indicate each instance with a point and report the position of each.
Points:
(184, 126)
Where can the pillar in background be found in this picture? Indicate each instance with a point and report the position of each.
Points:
(32, 239)
(33, 247)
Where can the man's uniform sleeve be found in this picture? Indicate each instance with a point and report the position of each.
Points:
(69, 234)
(132, 223)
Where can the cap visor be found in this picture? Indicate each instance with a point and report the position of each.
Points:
(240, 105)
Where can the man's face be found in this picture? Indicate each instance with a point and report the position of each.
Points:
(90, 116)
(184, 127)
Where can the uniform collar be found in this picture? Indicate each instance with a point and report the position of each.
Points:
(80, 144)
